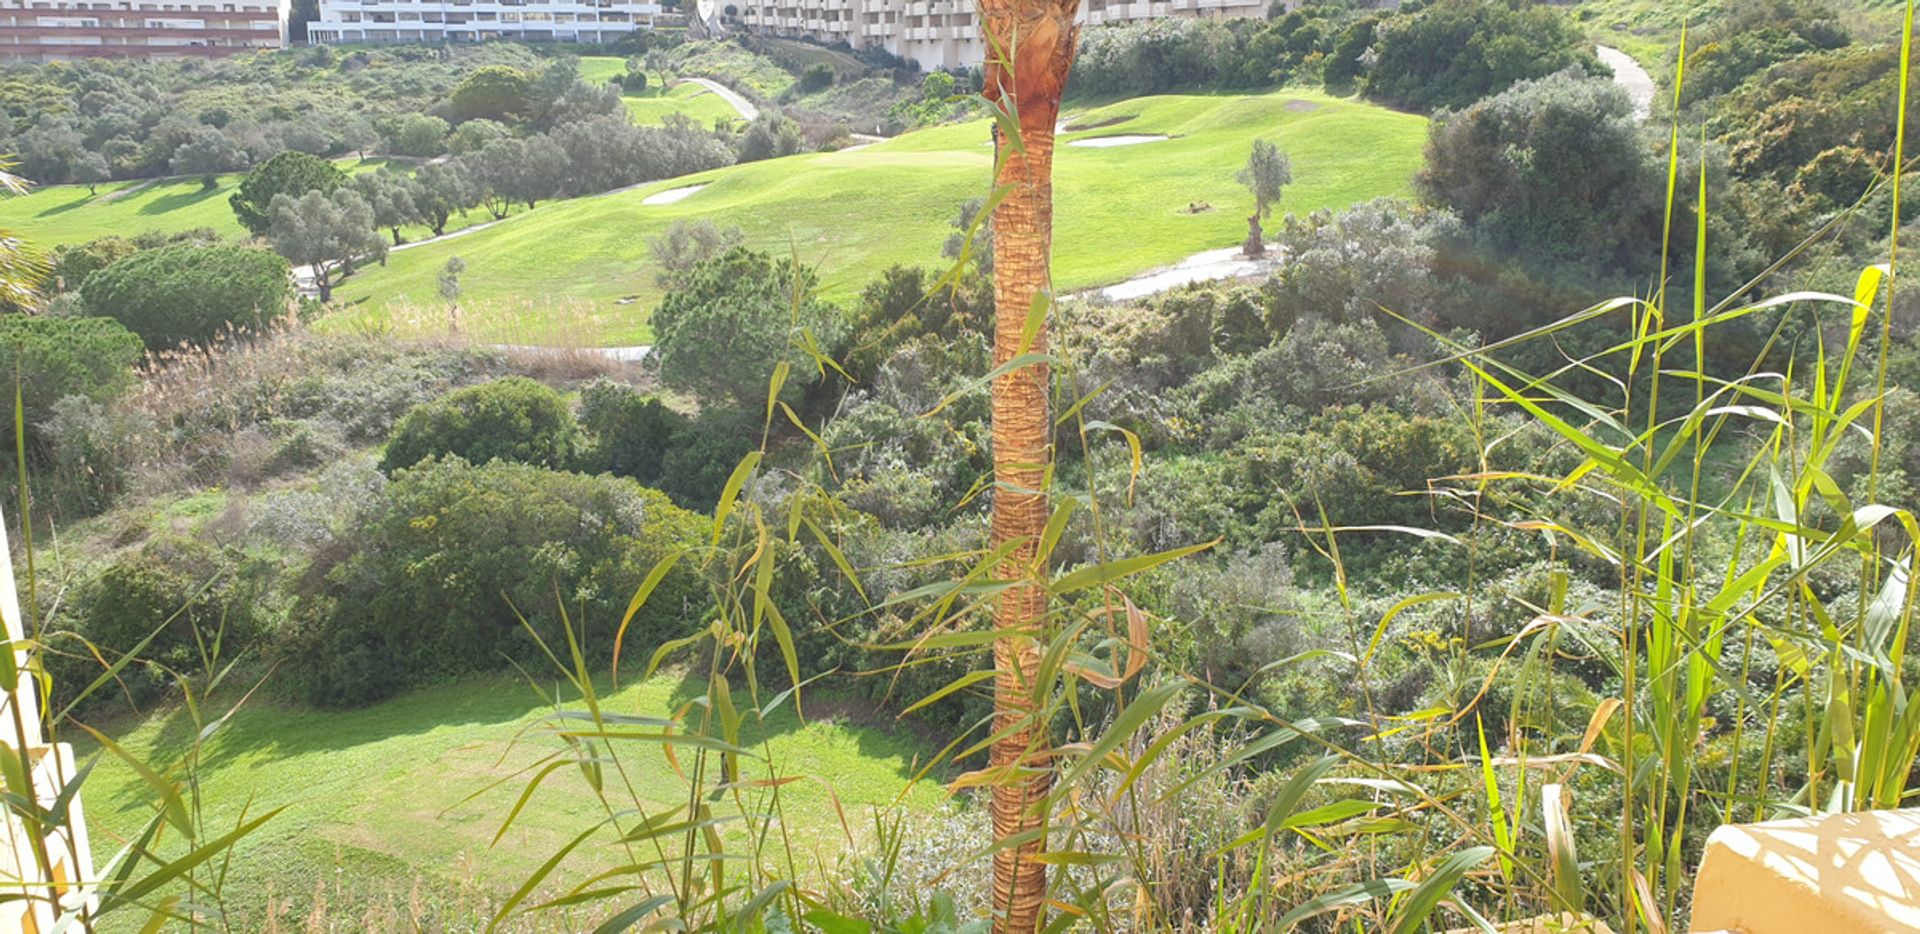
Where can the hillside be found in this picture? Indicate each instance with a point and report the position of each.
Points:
(1122, 210)
(1649, 30)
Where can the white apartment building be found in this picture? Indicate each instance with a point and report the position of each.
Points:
(940, 33)
(52, 30)
(591, 21)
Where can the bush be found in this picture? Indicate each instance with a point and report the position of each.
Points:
(191, 292)
(512, 419)
(179, 591)
(74, 262)
(451, 550)
(54, 358)
(696, 468)
(817, 77)
(1552, 169)
(1457, 51)
(495, 92)
(722, 333)
(631, 433)
(90, 451)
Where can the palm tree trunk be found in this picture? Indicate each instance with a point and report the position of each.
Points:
(1031, 49)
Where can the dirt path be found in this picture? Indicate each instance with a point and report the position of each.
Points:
(303, 275)
(1628, 74)
(1227, 263)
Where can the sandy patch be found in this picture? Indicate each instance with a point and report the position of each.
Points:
(671, 195)
(1124, 139)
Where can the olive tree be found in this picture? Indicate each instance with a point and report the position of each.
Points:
(394, 197)
(324, 232)
(1267, 171)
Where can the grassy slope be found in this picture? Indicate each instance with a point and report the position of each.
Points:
(366, 789)
(1119, 211)
(68, 214)
(697, 102)
(658, 100)
(58, 214)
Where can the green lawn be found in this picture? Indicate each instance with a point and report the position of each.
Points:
(373, 796)
(1119, 211)
(59, 214)
(654, 104)
(695, 101)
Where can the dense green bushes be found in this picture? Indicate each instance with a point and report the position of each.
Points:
(512, 419)
(1455, 52)
(432, 583)
(1551, 169)
(53, 358)
(190, 293)
(738, 315)
(631, 433)
(1446, 54)
(189, 597)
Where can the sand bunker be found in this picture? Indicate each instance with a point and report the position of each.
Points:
(671, 195)
(1125, 139)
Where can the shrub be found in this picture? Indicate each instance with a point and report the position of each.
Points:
(495, 92)
(191, 292)
(817, 77)
(1553, 169)
(91, 451)
(696, 468)
(53, 358)
(512, 419)
(74, 262)
(631, 433)
(1457, 51)
(181, 592)
(451, 550)
(721, 334)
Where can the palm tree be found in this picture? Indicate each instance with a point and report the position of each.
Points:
(1031, 45)
(22, 270)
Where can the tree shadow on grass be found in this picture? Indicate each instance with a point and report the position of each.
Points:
(66, 206)
(178, 200)
(506, 709)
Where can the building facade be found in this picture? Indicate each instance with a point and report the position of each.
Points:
(53, 30)
(591, 21)
(940, 33)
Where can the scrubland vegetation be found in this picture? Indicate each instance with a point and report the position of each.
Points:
(1545, 505)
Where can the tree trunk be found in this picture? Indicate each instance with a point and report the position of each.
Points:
(1040, 37)
(320, 281)
(396, 236)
